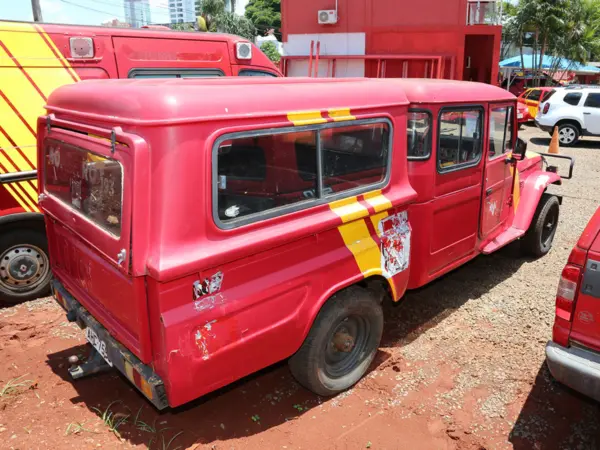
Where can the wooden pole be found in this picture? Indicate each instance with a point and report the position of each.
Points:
(37, 11)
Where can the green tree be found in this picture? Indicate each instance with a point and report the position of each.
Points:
(265, 14)
(270, 49)
(231, 23)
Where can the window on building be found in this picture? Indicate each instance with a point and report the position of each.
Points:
(418, 132)
(459, 139)
(261, 176)
(592, 100)
(501, 131)
(572, 98)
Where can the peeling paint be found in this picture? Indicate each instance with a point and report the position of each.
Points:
(202, 336)
(492, 207)
(206, 303)
(541, 182)
(395, 243)
(208, 286)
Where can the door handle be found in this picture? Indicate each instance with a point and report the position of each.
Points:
(587, 113)
(488, 192)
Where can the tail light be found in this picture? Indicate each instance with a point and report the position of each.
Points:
(546, 108)
(567, 291)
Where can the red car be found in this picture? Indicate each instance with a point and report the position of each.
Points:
(573, 355)
(523, 115)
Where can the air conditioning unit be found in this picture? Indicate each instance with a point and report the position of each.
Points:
(328, 16)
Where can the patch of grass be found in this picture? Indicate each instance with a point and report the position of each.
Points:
(111, 420)
(14, 385)
(77, 427)
(158, 435)
(166, 445)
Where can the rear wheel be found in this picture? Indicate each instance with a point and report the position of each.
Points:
(540, 235)
(24, 265)
(341, 343)
(568, 134)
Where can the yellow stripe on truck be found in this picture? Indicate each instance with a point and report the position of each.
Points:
(299, 118)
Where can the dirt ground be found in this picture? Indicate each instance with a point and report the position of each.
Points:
(461, 367)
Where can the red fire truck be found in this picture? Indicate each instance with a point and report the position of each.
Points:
(35, 59)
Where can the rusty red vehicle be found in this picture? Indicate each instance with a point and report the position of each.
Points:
(573, 354)
(201, 230)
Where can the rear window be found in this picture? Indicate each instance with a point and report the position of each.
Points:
(534, 95)
(572, 98)
(86, 182)
(547, 94)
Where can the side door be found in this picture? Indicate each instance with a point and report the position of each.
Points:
(497, 180)
(591, 113)
(457, 191)
(533, 101)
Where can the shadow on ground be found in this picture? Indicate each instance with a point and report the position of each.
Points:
(583, 143)
(271, 397)
(555, 417)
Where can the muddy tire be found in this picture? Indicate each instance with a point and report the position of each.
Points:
(341, 344)
(540, 235)
(24, 265)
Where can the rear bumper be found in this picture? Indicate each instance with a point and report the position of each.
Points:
(142, 376)
(575, 367)
(546, 128)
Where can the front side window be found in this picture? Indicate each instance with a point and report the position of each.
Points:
(459, 139)
(592, 100)
(418, 132)
(255, 73)
(501, 126)
(260, 174)
(572, 98)
(88, 183)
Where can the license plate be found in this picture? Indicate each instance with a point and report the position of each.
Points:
(98, 344)
(519, 116)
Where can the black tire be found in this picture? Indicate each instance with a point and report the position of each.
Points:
(354, 317)
(568, 134)
(540, 235)
(25, 251)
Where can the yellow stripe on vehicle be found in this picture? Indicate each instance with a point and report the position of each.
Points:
(11, 191)
(299, 118)
(517, 188)
(61, 58)
(341, 114)
(359, 241)
(377, 201)
(375, 219)
(349, 209)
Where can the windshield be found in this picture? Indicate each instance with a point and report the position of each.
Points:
(86, 182)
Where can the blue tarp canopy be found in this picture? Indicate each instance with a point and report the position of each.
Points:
(547, 63)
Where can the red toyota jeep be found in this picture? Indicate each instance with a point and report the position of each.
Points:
(201, 230)
(573, 355)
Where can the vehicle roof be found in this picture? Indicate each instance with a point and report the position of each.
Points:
(96, 30)
(181, 100)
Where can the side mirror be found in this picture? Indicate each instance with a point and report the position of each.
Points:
(518, 153)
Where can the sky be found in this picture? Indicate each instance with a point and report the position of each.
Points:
(85, 12)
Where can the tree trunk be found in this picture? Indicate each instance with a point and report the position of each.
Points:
(37, 11)
(542, 51)
(233, 6)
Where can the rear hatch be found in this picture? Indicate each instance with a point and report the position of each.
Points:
(586, 319)
(88, 184)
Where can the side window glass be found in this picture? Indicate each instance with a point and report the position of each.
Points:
(418, 131)
(459, 139)
(535, 95)
(255, 73)
(572, 98)
(259, 174)
(501, 129)
(175, 73)
(592, 100)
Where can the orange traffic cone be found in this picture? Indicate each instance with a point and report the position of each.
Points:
(554, 145)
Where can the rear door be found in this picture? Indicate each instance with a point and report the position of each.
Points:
(497, 180)
(89, 192)
(586, 320)
(533, 101)
(591, 113)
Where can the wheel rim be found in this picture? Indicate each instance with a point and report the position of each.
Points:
(346, 346)
(566, 135)
(23, 268)
(550, 224)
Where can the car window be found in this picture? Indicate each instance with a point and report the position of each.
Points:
(175, 73)
(459, 139)
(418, 132)
(547, 94)
(572, 98)
(534, 95)
(255, 73)
(501, 129)
(592, 100)
(525, 94)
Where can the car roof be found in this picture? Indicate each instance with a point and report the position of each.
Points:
(177, 100)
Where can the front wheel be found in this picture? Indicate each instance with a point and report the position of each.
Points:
(24, 265)
(341, 343)
(540, 235)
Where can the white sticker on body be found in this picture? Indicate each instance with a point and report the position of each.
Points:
(395, 243)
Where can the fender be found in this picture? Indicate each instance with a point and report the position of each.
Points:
(527, 196)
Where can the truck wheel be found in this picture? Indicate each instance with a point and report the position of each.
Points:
(538, 239)
(24, 265)
(568, 134)
(341, 343)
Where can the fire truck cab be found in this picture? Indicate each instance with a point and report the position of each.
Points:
(200, 230)
(35, 59)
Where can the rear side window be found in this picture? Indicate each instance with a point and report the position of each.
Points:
(572, 98)
(534, 95)
(268, 174)
(547, 94)
(459, 139)
(175, 73)
(592, 100)
(418, 132)
(88, 183)
(255, 73)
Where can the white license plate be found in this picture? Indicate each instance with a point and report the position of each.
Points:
(98, 344)
(519, 116)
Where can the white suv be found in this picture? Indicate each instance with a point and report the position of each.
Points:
(575, 110)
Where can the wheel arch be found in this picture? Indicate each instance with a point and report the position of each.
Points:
(23, 220)
(534, 186)
(572, 121)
